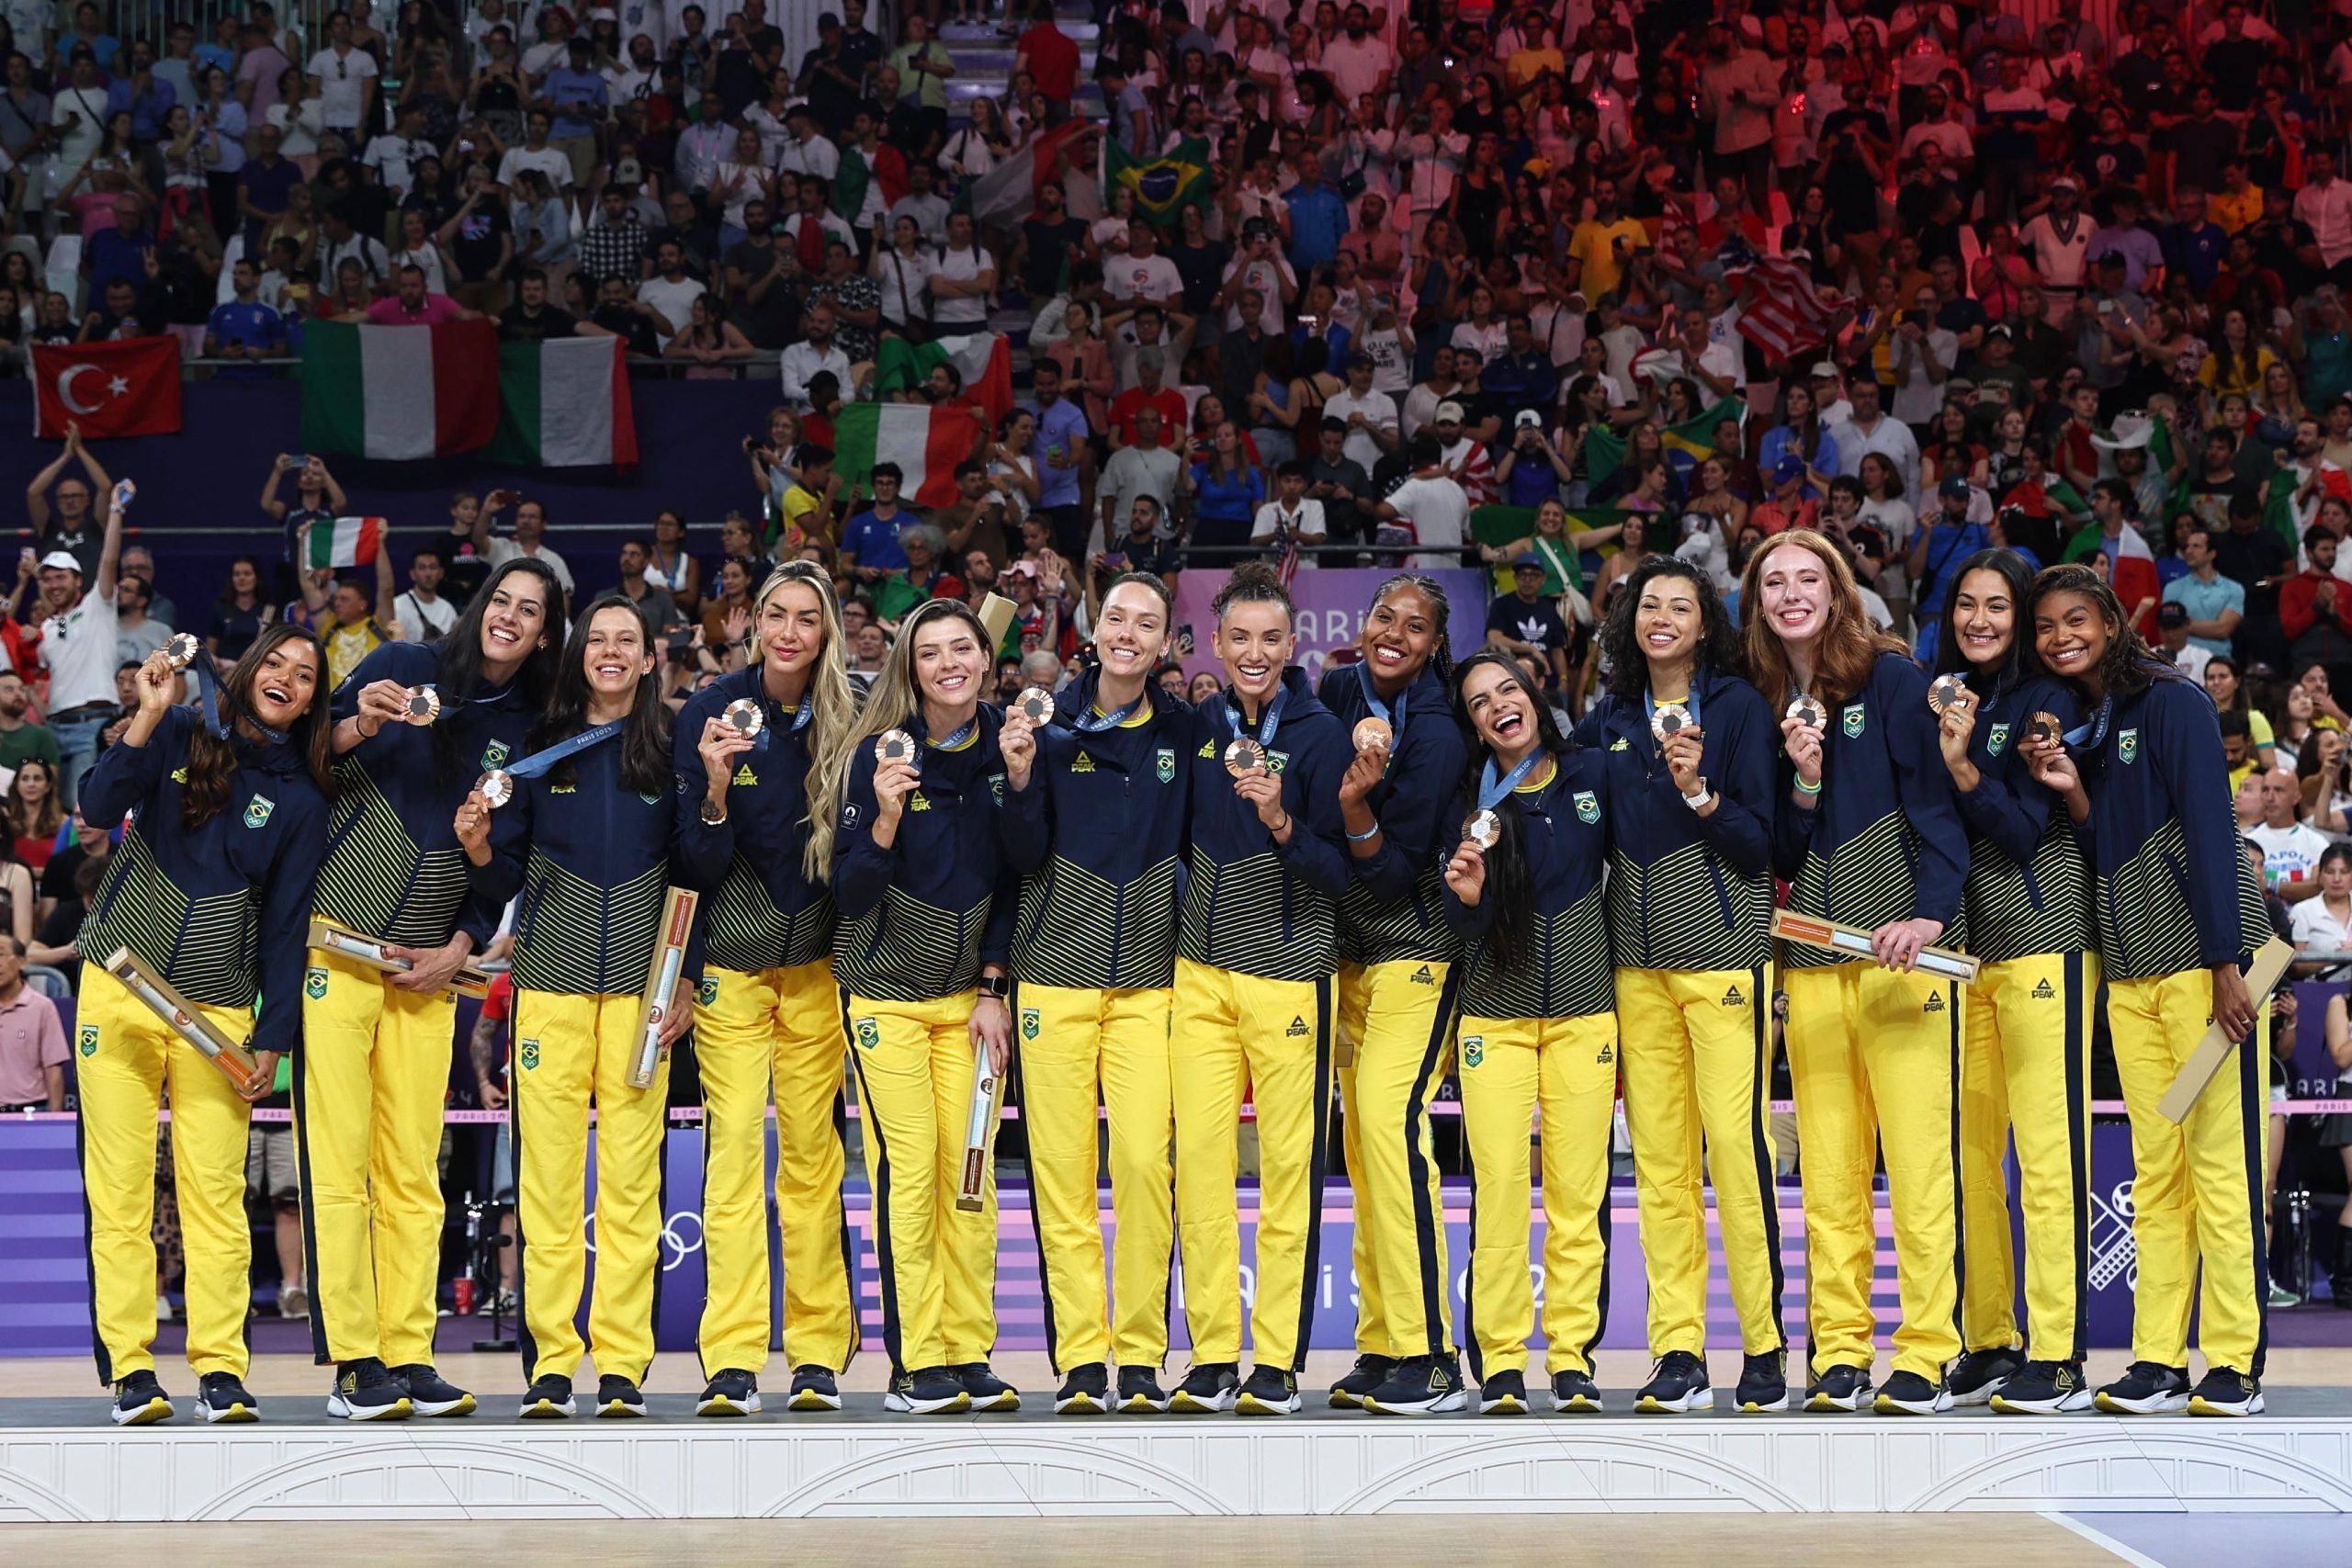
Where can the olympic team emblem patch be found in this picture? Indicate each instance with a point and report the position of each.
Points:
(1588, 806)
(1997, 739)
(495, 754)
(1166, 765)
(1474, 1050)
(89, 1040)
(1853, 721)
(259, 810)
(528, 1053)
(1029, 1024)
(869, 1033)
(2127, 746)
(314, 984)
(707, 992)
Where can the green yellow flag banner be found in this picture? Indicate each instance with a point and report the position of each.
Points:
(1687, 445)
(1164, 185)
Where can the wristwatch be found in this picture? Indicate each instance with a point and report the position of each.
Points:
(1699, 801)
(712, 815)
(997, 986)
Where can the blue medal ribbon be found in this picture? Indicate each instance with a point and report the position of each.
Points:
(961, 734)
(1493, 790)
(1268, 724)
(2093, 731)
(1394, 720)
(538, 762)
(1095, 721)
(1690, 705)
(210, 701)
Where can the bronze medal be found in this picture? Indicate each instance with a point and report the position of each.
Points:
(1035, 704)
(1946, 692)
(1244, 756)
(894, 746)
(1483, 829)
(745, 716)
(497, 786)
(1669, 720)
(182, 649)
(2043, 727)
(424, 706)
(1808, 712)
(1374, 734)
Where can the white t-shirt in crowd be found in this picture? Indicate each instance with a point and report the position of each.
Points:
(2290, 853)
(961, 267)
(501, 551)
(342, 83)
(78, 650)
(423, 620)
(1437, 508)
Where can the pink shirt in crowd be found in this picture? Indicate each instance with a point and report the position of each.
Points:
(435, 310)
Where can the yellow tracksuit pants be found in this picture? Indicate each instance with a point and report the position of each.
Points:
(914, 1082)
(569, 1050)
(1510, 1067)
(1070, 1041)
(2028, 1058)
(779, 1031)
(368, 1091)
(125, 1057)
(1235, 1032)
(1399, 1018)
(2197, 1188)
(1874, 1057)
(1697, 1056)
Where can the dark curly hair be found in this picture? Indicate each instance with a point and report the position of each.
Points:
(1620, 649)
(2128, 668)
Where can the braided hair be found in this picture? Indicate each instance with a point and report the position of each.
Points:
(1428, 588)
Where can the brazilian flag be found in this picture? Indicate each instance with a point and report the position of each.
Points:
(1687, 445)
(1164, 185)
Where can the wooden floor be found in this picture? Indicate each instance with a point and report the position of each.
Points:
(2025, 1541)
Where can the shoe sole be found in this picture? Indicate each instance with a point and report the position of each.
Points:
(1433, 1405)
(1578, 1405)
(1830, 1404)
(721, 1406)
(235, 1415)
(342, 1409)
(1697, 1400)
(1184, 1403)
(1887, 1404)
(1508, 1405)
(449, 1409)
(548, 1410)
(1346, 1399)
(2162, 1404)
(147, 1414)
(1081, 1404)
(998, 1405)
(809, 1399)
(906, 1405)
(619, 1410)
(2199, 1405)
(1761, 1406)
(2064, 1404)
(1142, 1404)
(1250, 1405)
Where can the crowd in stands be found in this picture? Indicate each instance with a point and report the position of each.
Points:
(1439, 284)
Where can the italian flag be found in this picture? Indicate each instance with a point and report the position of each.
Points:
(345, 541)
(925, 441)
(1009, 191)
(564, 404)
(399, 393)
(984, 360)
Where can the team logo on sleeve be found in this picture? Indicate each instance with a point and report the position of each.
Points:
(314, 984)
(1167, 764)
(1474, 1050)
(707, 992)
(2127, 744)
(1997, 739)
(849, 817)
(1276, 762)
(495, 754)
(996, 787)
(869, 1033)
(1852, 718)
(258, 810)
(89, 1040)
(528, 1053)
(1029, 1024)
(1588, 806)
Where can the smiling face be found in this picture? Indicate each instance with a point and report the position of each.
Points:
(1984, 618)
(791, 628)
(2071, 633)
(1255, 640)
(287, 678)
(516, 621)
(950, 665)
(1793, 594)
(1400, 634)
(1131, 634)
(615, 657)
(1666, 620)
(1503, 710)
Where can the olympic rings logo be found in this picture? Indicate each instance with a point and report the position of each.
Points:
(677, 1243)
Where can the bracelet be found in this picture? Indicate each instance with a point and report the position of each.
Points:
(1805, 788)
(1276, 832)
(1365, 837)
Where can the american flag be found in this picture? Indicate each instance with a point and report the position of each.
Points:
(1781, 310)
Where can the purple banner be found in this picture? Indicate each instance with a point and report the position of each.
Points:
(1331, 604)
(2311, 1073)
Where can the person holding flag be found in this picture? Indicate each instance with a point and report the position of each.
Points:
(768, 1018)
(414, 725)
(585, 828)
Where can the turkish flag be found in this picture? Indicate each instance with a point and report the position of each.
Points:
(131, 387)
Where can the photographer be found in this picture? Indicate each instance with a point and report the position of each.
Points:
(1532, 469)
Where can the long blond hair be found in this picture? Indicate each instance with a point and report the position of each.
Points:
(891, 703)
(1849, 643)
(828, 688)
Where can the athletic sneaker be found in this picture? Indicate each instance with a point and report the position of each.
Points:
(617, 1398)
(431, 1394)
(363, 1391)
(1369, 1374)
(1504, 1393)
(548, 1399)
(926, 1391)
(293, 1300)
(1908, 1393)
(1678, 1385)
(1575, 1393)
(1208, 1389)
(222, 1396)
(1421, 1385)
(2226, 1393)
(1139, 1392)
(1763, 1383)
(1839, 1388)
(1977, 1376)
(2280, 1296)
(1086, 1392)
(140, 1401)
(1269, 1390)
(2147, 1387)
(813, 1388)
(2044, 1388)
(733, 1392)
(989, 1392)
